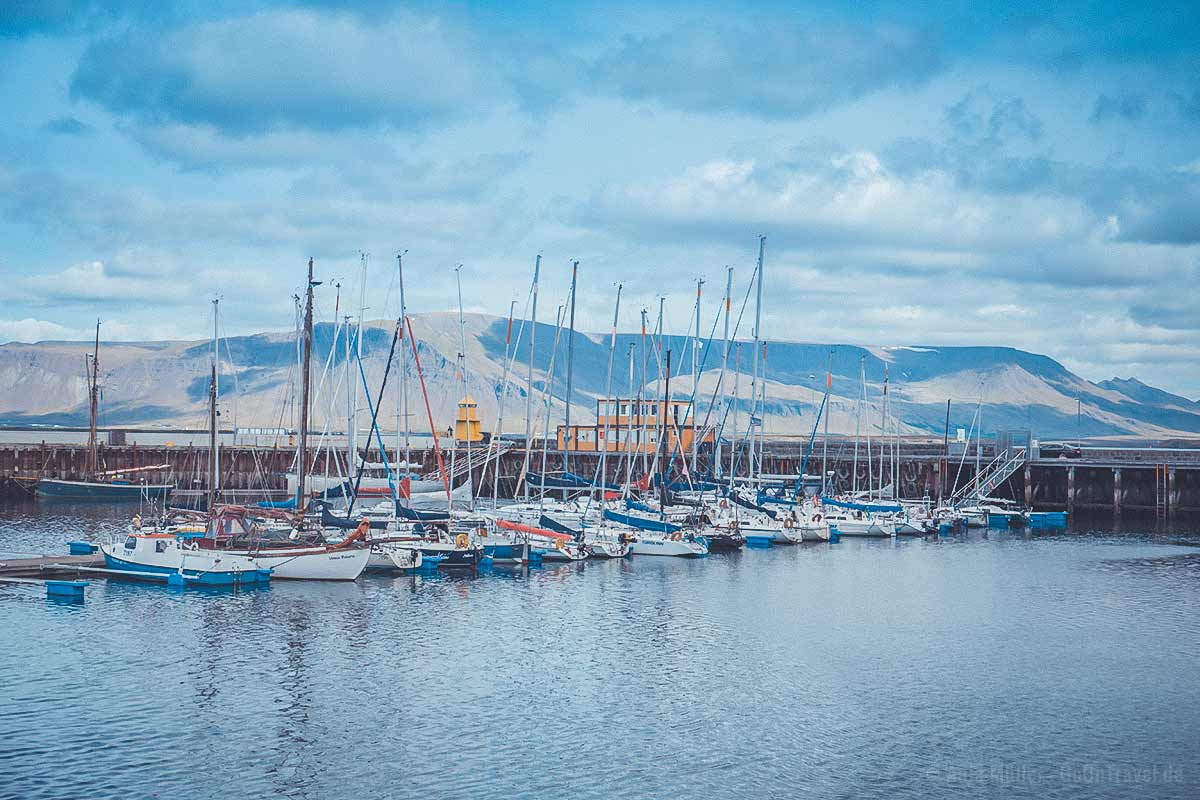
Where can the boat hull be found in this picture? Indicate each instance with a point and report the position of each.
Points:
(314, 564)
(95, 491)
(508, 553)
(723, 542)
(206, 569)
(855, 527)
(451, 557)
(603, 548)
(655, 546)
(386, 558)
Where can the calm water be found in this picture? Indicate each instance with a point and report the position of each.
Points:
(1002, 666)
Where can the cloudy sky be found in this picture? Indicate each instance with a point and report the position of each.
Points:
(925, 173)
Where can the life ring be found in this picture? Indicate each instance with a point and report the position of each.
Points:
(676, 536)
(733, 525)
(816, 517)
(787, 523)
(461, 541)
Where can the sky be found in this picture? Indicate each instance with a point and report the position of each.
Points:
(1026, 175)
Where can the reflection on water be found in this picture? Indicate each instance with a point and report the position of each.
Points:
(998, 664)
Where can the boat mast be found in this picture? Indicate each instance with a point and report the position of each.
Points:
(662, 475)
(737, 396)
(978, 441)
(862, 393)
(537, 269)
(825, 439)
(548, 402)
(362, 300)
(870, 463)
(462, 378)
(403, 362)
(437, 450)
(762, 417)
(762, 241)
(895, 455)
(214, 448)
(93, 404)
(306, 369)
(351, 390)
(567, 437)
(509, 357)
(696, 376)
(634, 407)
(641, 394)
(660, 421)
(724, 366)
(612, 350)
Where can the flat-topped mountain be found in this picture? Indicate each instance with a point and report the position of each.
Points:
(167, 383)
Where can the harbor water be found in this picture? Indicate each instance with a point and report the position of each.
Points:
(1002, 664)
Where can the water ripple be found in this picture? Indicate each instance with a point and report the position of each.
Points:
(1005, 665)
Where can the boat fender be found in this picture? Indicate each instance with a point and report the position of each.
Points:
(461, 541)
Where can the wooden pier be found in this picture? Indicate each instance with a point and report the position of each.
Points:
(47, 565)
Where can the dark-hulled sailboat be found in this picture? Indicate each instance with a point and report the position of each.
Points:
(101, 485)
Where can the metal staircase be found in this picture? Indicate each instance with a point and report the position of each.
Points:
(479, 456)
(994, 473)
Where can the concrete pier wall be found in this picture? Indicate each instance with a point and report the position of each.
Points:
(1136, 481)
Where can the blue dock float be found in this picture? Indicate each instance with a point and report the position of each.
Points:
(1048, 519)
(66, 590)
(81, 548)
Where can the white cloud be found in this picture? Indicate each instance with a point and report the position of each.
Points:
(35, 330)
(297, 68)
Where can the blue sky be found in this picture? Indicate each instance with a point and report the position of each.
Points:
(1025, 175)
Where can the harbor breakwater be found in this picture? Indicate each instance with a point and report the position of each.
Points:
(1118, 479)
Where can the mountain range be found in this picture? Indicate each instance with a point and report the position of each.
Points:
(166, 383)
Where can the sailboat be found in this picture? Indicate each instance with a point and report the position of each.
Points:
(275, 538)
(101, 485)
(170, 554)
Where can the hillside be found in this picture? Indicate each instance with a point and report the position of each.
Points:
(150, 383)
